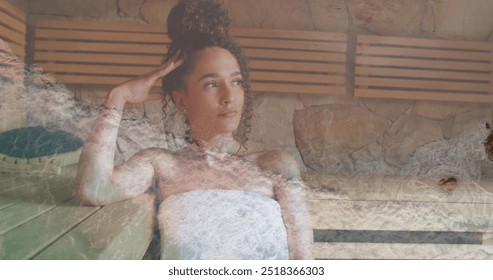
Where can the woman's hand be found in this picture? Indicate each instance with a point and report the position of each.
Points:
(137, 90)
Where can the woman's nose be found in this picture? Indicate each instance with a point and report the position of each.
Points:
(227, 96)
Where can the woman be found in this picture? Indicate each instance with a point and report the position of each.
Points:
(218, 200)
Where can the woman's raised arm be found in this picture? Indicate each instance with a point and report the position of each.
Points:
(98, 181)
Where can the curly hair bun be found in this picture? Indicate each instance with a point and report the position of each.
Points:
(195, 22)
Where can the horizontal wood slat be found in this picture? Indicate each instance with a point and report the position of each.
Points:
(97, 58)
(288, 34)
(290, 44)
(424, 95)
(7, 8)
(13, 23)
(426, 69)
(100, 26)
(104, 36)
(423, 84)
(430, 74)
(423, 63)
(116, 70)
(429, 43)
(90, 79)
(79, 52)
(96, 47)
(424, 53)
(13, 28)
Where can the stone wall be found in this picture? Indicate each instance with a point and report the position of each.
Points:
(329, 133)
(21, 4)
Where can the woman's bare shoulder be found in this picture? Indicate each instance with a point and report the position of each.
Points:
(155, 153)
(276, 161)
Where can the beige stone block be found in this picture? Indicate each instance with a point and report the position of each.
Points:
(21, 4)
(428, 25)
(394, 17)
(87, 8)
(130, 8)
(458, 19)
(156, 11)
(272, 124)
(329, 15)
(447, 126)
(326, 135)
(440, 110)
(388, 108)
(326, 99)
(469, 120)
(277, 14)
(406, 134)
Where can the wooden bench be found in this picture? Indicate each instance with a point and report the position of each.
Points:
(108, 53)
(13, 28)
(39, 220)
(354, 217)
(398, 217)
(424, 69)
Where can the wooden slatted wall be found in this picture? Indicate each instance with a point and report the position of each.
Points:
(426, 69)
(79, 52)
(13, 28)
(295, 61)
(105, 53)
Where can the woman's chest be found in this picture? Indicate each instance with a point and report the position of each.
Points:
(213, 173)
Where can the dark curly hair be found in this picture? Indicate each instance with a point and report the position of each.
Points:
(194, 25)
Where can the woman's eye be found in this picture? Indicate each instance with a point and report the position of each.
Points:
(210, 85)
(238, 82)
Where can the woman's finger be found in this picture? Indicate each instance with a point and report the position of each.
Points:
(174, 62)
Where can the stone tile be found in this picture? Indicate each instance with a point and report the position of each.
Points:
(87, 8)
(325, 99)
(156, 11)
(277, 14)
(441, 110)
(468, 120)
(389, 108)
(389, 17)
(326, 135)
(130, 8)
(406, 134)
(329, 15)
(460, 19)
(272, 124)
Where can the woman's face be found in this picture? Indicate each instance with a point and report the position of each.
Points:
(214, 97)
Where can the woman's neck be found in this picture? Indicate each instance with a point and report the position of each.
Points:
(222, 143)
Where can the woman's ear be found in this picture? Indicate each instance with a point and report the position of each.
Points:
(180, 98)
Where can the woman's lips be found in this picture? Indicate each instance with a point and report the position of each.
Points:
(228, 114)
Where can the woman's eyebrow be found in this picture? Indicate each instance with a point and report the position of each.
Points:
(216, 75)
